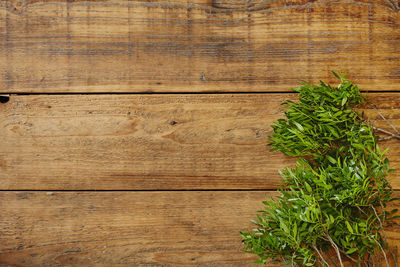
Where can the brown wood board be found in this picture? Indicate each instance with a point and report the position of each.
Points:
(152, 142)
(196, 45)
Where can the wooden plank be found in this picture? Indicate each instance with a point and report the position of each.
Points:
(125, 228)
(138, 142)
(151, 142)
(195, 45)
(128, 228)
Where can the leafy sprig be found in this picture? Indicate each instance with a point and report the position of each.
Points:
(335, 198)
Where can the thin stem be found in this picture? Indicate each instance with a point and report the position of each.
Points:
(331, 259)
(372, 260)
(336, 249)
(383, 221)
(393, 5)
(383, 251)
(385, 138)
(383, 117)
(361, 210)
(320, 255)
(386, 132)
(378, 257)
(380, 222)
(368, 260)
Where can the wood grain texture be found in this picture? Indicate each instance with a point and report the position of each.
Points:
(151, 142)
(125, 228)
(195, 45)
(138, 142)
(128, 228)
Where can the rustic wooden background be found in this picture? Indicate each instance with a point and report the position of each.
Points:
(134, 132)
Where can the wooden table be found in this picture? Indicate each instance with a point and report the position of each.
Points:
(134, 132)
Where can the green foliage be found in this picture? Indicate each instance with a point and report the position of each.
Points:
(334, 199)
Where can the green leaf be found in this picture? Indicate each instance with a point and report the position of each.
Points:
(359, 146)
(336, 75)
(338, 113)
(349, 227)
(284, 226)
(344, 100)
(299, 126)
(386, 162)
(332, 160)
(295, 230)
(308, 187)
(351, 251)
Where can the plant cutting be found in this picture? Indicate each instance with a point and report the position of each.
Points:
(333, 204)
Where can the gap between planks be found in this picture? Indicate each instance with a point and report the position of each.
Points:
(178, 93)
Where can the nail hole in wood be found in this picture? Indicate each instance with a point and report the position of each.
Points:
(4, 99)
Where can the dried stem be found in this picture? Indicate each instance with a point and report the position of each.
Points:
(370, 262)
(383, 231)
(361, 210)
(393, 5)
(320, 255)
(336, 249)
(383, 251)
(385, 138)
(392, 135)
(380, 222)
(383, 117)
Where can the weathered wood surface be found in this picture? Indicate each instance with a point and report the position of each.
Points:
(196, 45)
(125, 228)
(151, 142)
(128, 228)
(165, 142)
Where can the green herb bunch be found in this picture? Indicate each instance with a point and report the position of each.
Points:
(333, 202)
